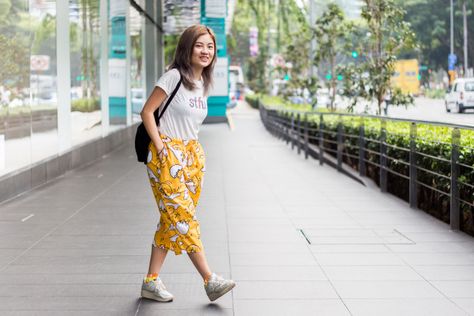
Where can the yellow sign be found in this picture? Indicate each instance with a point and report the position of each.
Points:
(406, 76)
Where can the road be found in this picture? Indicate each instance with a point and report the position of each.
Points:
(431, 110)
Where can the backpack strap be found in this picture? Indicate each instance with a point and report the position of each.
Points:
(159, 115)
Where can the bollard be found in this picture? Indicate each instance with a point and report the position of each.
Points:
(383, 156)
(292, 131)
(413, 187)
(362, 168)
(340, 144)
(321, 139)
(298, 132)
(454, 214)
(306, 137)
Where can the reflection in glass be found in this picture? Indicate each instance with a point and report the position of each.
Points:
(15, 111)
(85, 82)
(43, 75)
(136, 73)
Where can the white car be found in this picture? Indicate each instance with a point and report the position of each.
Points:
(137, 100)
(461, 96)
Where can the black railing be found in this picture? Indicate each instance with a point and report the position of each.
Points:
(429, 174)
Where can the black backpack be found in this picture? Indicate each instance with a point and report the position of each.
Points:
(142, 139)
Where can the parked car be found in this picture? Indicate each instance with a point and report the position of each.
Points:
(461, 95)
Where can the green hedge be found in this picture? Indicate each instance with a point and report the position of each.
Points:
(85, 105)
(431, 140)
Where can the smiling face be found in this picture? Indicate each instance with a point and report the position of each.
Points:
(203, 51)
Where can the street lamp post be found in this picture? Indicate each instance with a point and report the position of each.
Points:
(452, 29)
(465, 38)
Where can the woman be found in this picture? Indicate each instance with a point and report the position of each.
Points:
(176, 160)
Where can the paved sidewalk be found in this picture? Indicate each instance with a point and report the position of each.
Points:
(299, 239)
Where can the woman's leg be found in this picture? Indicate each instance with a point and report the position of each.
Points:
(200, 262)
(157, 258)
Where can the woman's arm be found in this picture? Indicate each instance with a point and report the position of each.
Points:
(154, 101)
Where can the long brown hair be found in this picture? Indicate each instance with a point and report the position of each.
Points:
(183, 55)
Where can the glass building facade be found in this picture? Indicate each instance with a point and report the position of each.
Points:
(71, 72)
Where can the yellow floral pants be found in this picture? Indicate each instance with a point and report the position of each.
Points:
(176, 176)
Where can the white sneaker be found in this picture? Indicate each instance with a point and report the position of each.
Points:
(217, 286)
(156, 290)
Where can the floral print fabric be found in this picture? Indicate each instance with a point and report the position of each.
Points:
(176, 176)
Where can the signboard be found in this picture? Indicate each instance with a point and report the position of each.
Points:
(216, 9)
(117, 77)
(253, 41)
(218, 26)
(221, 78)
(452, 59)
(39, 62)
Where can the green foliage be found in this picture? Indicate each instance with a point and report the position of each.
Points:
(388, 36)
(85, 105)
(430, 19)
(331, 32)
(435, 93)
(14, 64)
(278, 23)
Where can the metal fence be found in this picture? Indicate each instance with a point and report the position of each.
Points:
(367, 149)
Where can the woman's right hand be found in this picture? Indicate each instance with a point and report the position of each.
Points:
(159, 146)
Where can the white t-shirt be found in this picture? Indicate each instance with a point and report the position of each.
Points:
(187, 110)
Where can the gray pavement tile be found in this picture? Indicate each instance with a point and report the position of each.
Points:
(317, 222)
(446, 273)
(446, 236)
(455, 289)
(283, 290)
(73, 252)
(354, 248)
(92, 267)
(328, 232)
(294, 259)
(347, 240)
(69, 290)
(372, 272)
(289, 307)
(433, 259)
(277, 273)
(151, 308)
(265, 236)
(266, 247)
(66, 312)
(358, 259)
(405, 307)
(385, 289)
(98, 304)
(46, 279)
(467, 304)
(433, 247)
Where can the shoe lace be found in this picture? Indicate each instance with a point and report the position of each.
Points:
(160, 285)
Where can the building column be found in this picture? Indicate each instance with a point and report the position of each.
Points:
(104, 66)
(160, 47)
(63, 76)
(149, 36)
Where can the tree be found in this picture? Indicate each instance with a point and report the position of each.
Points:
(282, 17)
(431, 23)
(331, 32)
(388, 36)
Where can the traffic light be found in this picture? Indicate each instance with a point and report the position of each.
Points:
(340, 77)
(329, 76)
(355, 54)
